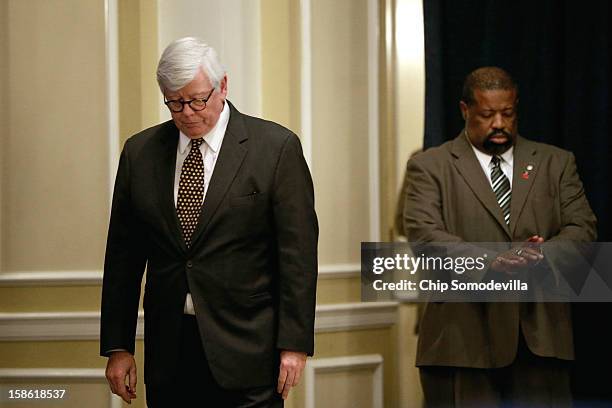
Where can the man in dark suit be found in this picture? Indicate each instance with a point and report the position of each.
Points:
(491, 185)
(219, 206)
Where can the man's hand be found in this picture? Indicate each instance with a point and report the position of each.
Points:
(120, 365)
(528, 254)
(291, 367)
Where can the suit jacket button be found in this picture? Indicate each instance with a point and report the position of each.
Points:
(189, 264)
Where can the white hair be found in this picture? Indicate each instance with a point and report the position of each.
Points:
(180, 61)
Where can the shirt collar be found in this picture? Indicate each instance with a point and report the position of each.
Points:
(214, 137)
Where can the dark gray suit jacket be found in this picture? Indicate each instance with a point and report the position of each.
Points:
(252, 266)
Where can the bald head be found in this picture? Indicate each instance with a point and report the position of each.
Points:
(487, 79)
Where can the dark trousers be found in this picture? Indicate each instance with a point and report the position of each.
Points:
(195, 385)
(529, 382)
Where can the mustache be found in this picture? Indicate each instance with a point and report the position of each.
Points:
(499, 132)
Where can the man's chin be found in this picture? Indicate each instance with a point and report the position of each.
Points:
(193, 132)
(496, 149)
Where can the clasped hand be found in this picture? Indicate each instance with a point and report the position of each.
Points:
(514, 259)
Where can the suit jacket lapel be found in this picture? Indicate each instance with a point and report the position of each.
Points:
(523, 174)
(231, 155)
(470, 169)
(165, 172)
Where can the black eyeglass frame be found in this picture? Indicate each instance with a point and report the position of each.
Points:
(189, 102)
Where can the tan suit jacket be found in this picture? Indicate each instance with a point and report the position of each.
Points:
(449, 199)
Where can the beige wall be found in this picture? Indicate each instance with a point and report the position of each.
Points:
(139, 95)
(55, 298)
(340, 127)
(55, 179)
(130, 69)
(280, 36)
(4, 106)
(334, 388)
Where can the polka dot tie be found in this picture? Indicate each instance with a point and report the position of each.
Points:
(191, 190)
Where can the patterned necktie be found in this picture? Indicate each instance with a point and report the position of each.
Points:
(191, 190)
(501, 188)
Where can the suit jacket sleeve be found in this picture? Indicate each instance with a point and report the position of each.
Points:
(568, 252)
(123, 268)
(297, 233)
(577, 218)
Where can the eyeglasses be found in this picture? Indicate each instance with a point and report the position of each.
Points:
(196, 104)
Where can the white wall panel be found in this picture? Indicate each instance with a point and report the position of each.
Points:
(232, 27)
(340, 122)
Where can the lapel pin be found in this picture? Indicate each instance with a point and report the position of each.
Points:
(525, 174)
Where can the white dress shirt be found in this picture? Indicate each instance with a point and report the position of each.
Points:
(506, 163)
(210, 151)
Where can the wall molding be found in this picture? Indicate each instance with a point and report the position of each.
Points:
(61, 326)
(94, 277)
(355, 316)
(51, 278)
(339, 271)
(350, 363)
(68, 326)
(59, 374)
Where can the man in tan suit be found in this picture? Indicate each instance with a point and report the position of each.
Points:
(491, 185)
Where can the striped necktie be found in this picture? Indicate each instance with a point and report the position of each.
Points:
(191, 190)
(501, 188)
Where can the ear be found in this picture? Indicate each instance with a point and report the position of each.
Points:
(223, 85)
(464, 110)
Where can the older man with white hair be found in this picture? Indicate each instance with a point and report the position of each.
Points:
(219, 207)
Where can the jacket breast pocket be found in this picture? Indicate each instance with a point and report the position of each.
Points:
(247, 216)
(246, 200)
